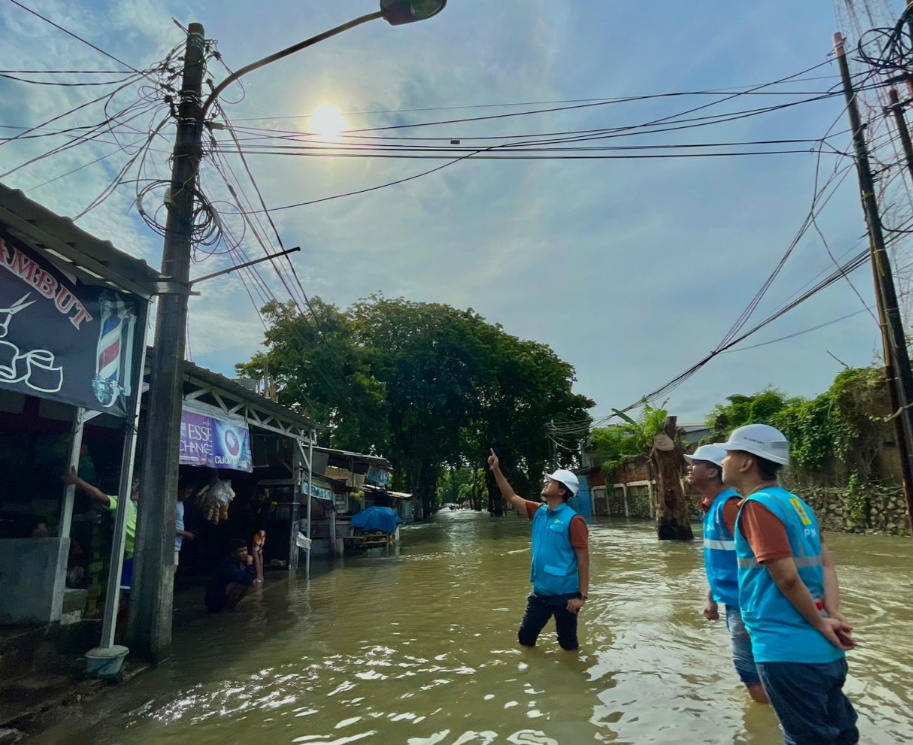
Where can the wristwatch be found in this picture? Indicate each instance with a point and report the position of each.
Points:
(581, 596)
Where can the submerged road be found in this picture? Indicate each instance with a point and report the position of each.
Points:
(420, 649)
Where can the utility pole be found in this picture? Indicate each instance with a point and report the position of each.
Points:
(901, 122)
(153, 578)
(552, 446)
(898, 374)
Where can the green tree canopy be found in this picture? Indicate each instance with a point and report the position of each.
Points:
(617, 443)
(427, 385)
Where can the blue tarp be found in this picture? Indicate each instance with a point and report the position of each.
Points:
(384, 519)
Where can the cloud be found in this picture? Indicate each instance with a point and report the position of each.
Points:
(630, 269)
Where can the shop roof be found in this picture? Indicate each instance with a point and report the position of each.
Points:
(234, 398)
(373, 460)
(91, 259)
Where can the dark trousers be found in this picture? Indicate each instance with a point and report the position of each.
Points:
(539, 609)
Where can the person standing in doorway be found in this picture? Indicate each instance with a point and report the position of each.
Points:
(560, 571)
(110, 503)
(184, 493)
(720, 506)
(788, 594)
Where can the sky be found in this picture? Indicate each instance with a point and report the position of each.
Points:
(631, 270)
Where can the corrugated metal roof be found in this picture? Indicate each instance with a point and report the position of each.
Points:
(91, 259)
(374, 460)
(245, 394)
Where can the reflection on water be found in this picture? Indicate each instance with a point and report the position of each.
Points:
(420, 649)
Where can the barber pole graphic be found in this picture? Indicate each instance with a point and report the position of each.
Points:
(115, 343)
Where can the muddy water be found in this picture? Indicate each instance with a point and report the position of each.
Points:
(420, 649)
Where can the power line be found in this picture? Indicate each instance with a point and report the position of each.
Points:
(75, 36)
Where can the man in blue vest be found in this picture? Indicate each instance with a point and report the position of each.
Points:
(789, 595)
(560, 570)
(720, 506)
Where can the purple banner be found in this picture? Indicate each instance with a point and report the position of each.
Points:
(216, 443)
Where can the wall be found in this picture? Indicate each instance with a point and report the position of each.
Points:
(32, 579)
(872, 509)
(640, 501)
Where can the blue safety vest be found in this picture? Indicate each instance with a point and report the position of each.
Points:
(779, 633)
(719, 552)
(554, 564)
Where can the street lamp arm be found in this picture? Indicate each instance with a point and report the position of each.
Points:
(284, 53)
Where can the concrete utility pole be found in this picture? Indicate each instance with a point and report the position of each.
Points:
(898, 374)
(153, 578)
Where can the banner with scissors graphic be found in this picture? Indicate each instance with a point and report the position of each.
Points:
(62, 339)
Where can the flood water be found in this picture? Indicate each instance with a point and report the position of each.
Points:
(420, 649)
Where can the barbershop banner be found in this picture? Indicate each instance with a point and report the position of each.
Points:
(62, 339)
(208, 440)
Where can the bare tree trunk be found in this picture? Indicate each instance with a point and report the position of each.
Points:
(673, 518)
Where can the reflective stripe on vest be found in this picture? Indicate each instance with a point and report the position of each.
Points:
(801, 561)
(720, 545)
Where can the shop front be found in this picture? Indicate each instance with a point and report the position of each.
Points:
(73, 315)
(244, 461)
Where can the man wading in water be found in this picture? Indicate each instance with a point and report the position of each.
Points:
(720, 506)
(788, 594)
(560, 572)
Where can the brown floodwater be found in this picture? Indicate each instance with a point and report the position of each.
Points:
(420, 648)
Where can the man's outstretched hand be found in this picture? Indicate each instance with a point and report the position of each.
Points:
(493, 461)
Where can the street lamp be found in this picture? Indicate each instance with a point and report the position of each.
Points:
(150, 608)
(394, 12)
(398, 12)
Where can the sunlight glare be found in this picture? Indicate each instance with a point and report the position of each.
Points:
(327, 121)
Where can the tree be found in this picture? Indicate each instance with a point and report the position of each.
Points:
(429, 386)
(673, 517)
(629, 439)
(321, 372)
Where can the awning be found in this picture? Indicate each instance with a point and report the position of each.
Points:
(399, 495)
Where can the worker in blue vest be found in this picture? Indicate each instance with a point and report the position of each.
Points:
(560, 569)
(721, 505)
(789, 595)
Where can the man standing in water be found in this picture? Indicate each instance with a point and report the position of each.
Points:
(788, 594)
(721, 506)
(560, 572)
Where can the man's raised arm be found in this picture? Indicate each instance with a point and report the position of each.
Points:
(507, 490)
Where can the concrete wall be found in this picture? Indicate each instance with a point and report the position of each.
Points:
(32, 579)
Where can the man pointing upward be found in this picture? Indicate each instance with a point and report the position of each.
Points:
(560, 571)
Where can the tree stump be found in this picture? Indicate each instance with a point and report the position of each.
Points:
(673, 518)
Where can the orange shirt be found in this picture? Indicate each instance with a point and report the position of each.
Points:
(763, 530)
(580, 534)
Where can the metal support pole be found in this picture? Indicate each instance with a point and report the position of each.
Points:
(307, 559)
(151, 599)
(66, 511)
(895, 346)
(128, 454)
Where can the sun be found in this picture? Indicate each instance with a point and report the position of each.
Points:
(327, 121)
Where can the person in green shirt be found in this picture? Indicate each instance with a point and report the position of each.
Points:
(110, 502)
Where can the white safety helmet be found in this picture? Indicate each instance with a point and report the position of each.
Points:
(762, 440)
(710, 453)
(566, 478)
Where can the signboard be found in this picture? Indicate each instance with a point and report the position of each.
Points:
(61, 339)
(215, 442)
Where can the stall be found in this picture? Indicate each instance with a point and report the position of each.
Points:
(73, 315)
(355, 480)
(256, 453)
